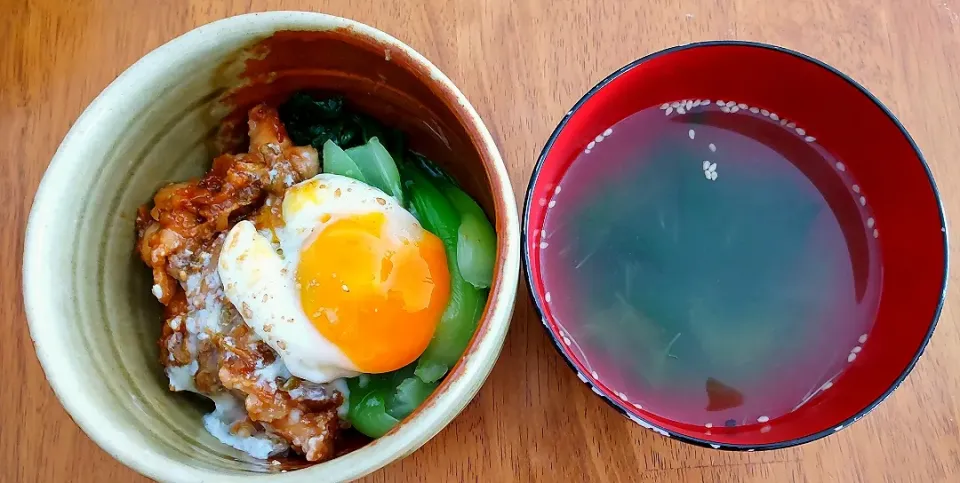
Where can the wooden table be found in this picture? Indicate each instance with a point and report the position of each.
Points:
(522, 63)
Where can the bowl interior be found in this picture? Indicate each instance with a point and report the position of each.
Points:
(881, 189)
(93, 320)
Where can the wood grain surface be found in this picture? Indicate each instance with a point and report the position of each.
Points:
(522, 63)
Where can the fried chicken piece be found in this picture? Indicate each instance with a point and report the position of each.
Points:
(179, 238)
(189, 214)
(309, 421)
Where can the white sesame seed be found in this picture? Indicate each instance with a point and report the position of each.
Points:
(763, 419)
(552, 203)
(706, 174)
(783, 122)
(856, 350)
(801, 131)
(725, 109)
(826, 385)
(863, 201)
(547, 297)
(856, 188)
(731, 103)
(608, 132)
(876, 233)
(714, 446)
(809, 139)
(681, 110)
(765, 112)
(557, 190)
(742, 106)
(598, 138)
(669, 110)
(591, 145)
(774, 116)
(791, 125)
(713, 147)
(721, 103)
(709, 425)
(594, 374)
(587, 151)
(689, 105)
(637, 406)
(754, 110)
(870, 222)
(675, 104)
(713, 175)
(851, 357)
(706, 165)
(664, 105)
(544, 245)
(863, 338)
(713, 166)
(566, 340)
(706, 102)
(696, 103)
(691, 133)
(734, 108)
(841, 166)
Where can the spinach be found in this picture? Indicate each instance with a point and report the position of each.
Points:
(315, 120)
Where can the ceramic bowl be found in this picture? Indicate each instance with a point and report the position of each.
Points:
(92, 319)
(881, 191)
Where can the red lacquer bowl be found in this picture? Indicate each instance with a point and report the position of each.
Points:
(893, 182)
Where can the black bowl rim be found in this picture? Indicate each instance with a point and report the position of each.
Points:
(643, 421)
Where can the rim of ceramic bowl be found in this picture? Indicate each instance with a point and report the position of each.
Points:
(646, 423)
(438, 411)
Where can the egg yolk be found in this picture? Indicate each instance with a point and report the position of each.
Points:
(375, 295)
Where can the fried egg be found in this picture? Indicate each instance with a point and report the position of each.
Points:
(350, 284)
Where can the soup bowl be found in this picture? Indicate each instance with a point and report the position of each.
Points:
(88, 298)
(879, 189)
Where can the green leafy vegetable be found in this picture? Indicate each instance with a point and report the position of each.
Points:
(430, 169)
(378, 402)
(315, 121)
(377, 167)
(476, 239)
(410, 394)
(369, 414)
(336, 161)
(459, 320)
